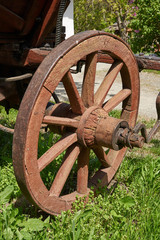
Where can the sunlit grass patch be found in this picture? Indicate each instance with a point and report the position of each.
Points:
(129, 210)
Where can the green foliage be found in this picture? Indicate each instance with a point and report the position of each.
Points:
(5, 194)
(7, 177)
(146, 26)
(32, 224)
(131, 210)
(100, 14)
(141, 18)
(90, 14)
(151, 71)
(148, 123)
(15, 225)
(8, 119)
(115, 113)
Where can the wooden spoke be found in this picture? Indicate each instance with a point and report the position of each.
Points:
(55, 150)
(63, 173)
(89, 79)
(101, 155)
(118, 98)
(73, 95)
(60, 121)
(107, 82)
(82, 174)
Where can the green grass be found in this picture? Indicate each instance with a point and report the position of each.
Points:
(131, 210)
(151, 71)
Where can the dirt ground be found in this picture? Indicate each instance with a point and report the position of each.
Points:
(149, 89)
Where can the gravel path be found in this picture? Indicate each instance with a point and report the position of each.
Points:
(149, 88)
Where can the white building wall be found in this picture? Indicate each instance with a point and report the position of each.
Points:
(68, 20)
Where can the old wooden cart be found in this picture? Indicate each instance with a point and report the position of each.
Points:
(31, 69)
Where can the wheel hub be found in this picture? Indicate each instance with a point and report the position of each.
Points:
(96, 127)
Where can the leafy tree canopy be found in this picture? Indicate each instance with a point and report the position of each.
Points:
(146, 26)
(100, 14)
(138, 21)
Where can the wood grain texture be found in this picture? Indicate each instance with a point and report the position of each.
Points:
(51, 72)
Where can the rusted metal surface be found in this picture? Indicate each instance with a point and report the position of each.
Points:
(129, 138)
(80, 123)
(141, 127)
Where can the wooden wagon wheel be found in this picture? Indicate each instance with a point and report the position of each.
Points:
(83, 122)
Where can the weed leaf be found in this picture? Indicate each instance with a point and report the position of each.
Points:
(8, 234)
(33, 224)
(25, 235)
(19, 235)
(127, 201)
(5, 195)
(91, 233)
(114, 214)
